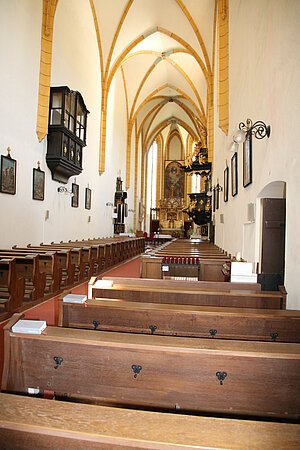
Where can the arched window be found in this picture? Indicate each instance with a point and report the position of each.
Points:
(151, 177)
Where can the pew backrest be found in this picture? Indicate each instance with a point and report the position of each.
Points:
(220, 376)
(182, 320)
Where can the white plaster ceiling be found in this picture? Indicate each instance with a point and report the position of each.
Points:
(160, 45)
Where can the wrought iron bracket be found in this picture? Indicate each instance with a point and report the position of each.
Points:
(258, 129)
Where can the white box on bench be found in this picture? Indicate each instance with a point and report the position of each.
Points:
(244, 278)
(241, 272)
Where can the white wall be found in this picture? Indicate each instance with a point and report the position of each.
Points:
(264, 85)
(75, 63)
(20, 31)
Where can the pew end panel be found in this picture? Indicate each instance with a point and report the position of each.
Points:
(283, 291)
(151, 267)
(12, 286)
(12, 374)
(60, 307)
(90, 286)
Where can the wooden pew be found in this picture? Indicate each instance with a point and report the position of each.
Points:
(48, 264)
(107, 255)
(207, 269)
(65, 260)
(28, 267)
(112, 250)
(204, 297)
(204, 375)
(98, 255)
(65, 425)
(190, 285)
(85, 258)
(182, 320)
(12, 286)
(129, 247)
(76, 255)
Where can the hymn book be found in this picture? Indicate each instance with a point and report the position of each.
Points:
(75, 298)
(29, 326)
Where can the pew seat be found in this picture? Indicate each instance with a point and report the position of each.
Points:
(191, 374)
(27, 423)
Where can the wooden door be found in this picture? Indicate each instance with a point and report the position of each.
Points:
(273, 243)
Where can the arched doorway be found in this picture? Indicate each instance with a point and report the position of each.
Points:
(272, 206)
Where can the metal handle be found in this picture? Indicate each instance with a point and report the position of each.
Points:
(136, 369)
(96, 324)
(58, 360)
(225, 269)
(274, 336)
(212, 332)
(153, 328)
(221, 376)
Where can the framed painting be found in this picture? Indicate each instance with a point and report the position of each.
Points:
(226, 183)
(8, 173)
(214, 199)
(38, 184)
(174, 179)
(88, 198)
(247, 161)
(234, 175)
(75, 196)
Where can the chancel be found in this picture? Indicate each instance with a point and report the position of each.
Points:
(149, 254)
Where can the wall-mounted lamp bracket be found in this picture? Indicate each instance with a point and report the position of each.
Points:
(258, 129)
(64, 190)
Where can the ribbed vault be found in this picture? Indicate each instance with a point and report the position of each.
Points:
(164, 51)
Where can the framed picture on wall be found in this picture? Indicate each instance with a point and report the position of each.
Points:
(8, 173)
(75, 196)
(88, 198)
(217, 196)
(247, 161)
(234, 175)
(214, 199)
(226, 182)
(38, 184)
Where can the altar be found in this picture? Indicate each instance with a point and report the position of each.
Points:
(170, 214)
(168, 218)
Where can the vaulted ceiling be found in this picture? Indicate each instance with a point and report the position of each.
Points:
(164, 50)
